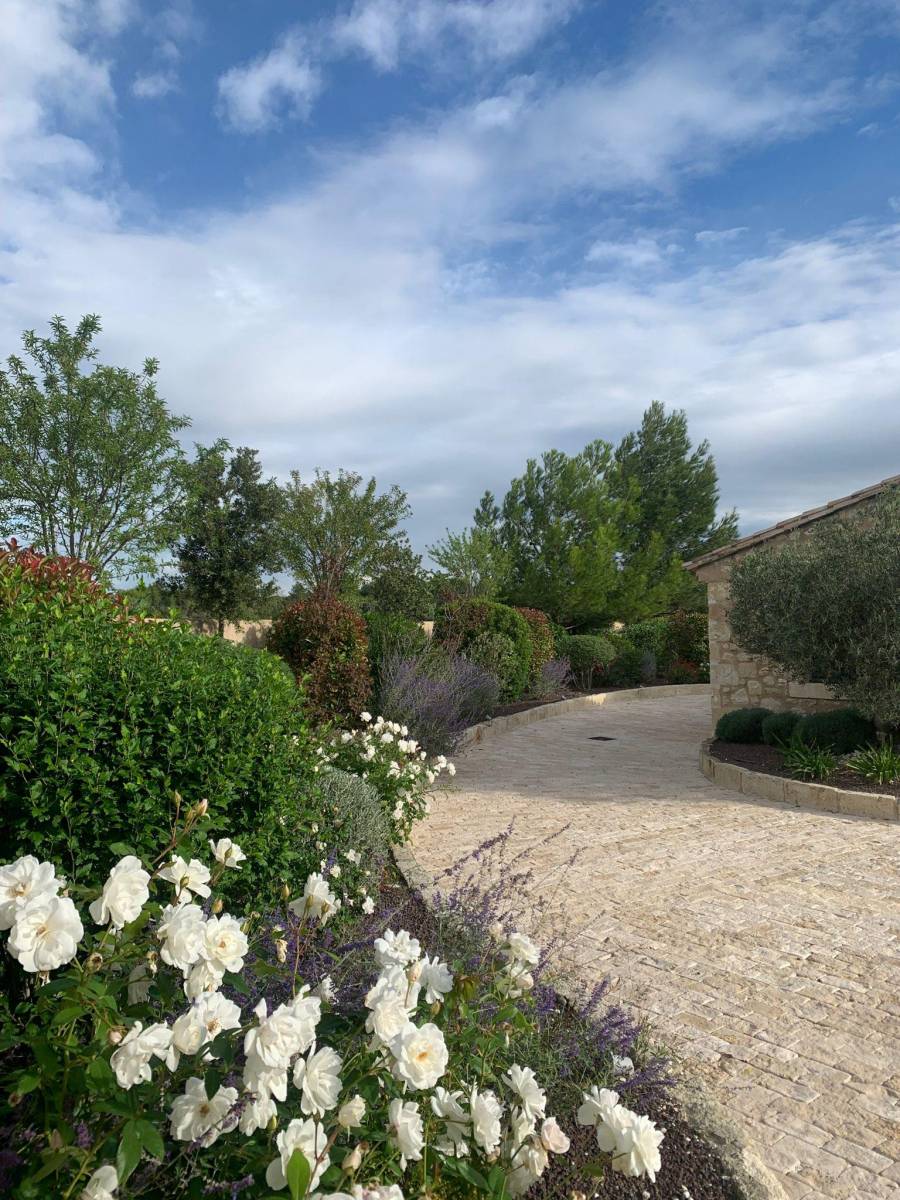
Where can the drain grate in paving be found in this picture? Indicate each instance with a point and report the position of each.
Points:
(600, 738)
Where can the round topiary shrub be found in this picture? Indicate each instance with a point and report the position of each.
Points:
(630, 666)
(778, 727)
(353, 811)
(842, 730)
(109, 724)
(324, 643)
(461, 621)
(496, 653)
(742, 725)
(542, 642)
(587, 654)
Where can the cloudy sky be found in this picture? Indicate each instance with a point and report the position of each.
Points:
(426, 239)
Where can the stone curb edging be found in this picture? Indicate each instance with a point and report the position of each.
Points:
(704, 1113)
(798, 792)
(489, 728)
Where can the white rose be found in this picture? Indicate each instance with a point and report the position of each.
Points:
(396, 949)
(227, 852)
(257, 1114)
(596, 1105)
(187, 1034)
(20, 881)
(421, 1056)
(521, 949)
(181, 930)
(407, 1130)
(224, 943)
(553, 1138)
(318, 901)
(125, 893)
(436, 979)
(202, 977)
(265, 1082)
(317, 1077)
(102, 1185)
(368, 906)
(485, 1111)
(389, 1019)
(277, 1038)
(188, 877)
(523, 1082)
(351, 1112)
(131, 1060)
(197, 1118)
(447, 1106)
(310, 1139)
(637, 1147)
(46, 933)
(529, 1163)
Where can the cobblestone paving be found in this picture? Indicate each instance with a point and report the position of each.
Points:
(760, 940)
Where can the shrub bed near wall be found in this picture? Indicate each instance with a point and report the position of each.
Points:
(462, 622)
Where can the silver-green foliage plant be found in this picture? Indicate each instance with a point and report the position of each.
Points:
(826, 607)
(353, 807)
(168, 1048)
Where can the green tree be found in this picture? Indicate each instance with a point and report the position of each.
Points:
(669, 494)
(558, 527)
(336, 534)
(90, 463)
(402, 586)
(474, 562)
(826, 607)
(230, 534)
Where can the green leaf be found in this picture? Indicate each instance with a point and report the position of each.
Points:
(121, 849)
(468, 1172)
(129, 1153)
(26, 1084)
(99, 1072)
(298, 1175)
(211, 1081)
(70, 1013)
(151, 1139)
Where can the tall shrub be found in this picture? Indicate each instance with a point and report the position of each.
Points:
(324, 643)
(826, 607)
(107, 720)
(461, 622)
(542, 641)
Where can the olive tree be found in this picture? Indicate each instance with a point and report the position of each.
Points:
(826, 606)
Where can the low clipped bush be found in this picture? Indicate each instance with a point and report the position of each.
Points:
(462, 621)
(842, 730)
(778, 727)
(324, 643)
(543, 644)
(110, 724)
(742, 725)
(496, 653)
(588, 654)
(630, 666)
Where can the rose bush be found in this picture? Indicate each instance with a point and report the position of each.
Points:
(184, 1052)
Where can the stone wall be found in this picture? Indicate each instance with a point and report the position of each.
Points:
(739, 679)
(244, 633)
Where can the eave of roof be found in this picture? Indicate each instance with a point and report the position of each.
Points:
(804, 518)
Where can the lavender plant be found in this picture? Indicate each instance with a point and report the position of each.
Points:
(437, 693)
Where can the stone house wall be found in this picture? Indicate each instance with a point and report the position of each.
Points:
(738, 679)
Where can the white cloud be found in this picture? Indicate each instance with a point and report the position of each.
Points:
(715, 237)
(282, 83)
(154, 85)
(640, 254)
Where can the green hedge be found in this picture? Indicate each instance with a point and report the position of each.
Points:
(391, 633)
(778, 727)
(543, 641)
(842, 730)
(459, 623)
(742, 725)
(104, 718)
(588, 654)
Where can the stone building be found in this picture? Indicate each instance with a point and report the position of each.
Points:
(739, 679)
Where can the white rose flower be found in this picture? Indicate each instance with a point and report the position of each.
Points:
(521, 949)
(523, 1082)
(351, 1112)
(256, 1114)
(396, 949)
(310, 1139)
(20, 881)
(451, 769)
(596, 1106)
(125, 893)
(447, 1106)
(277, 1038)
(324, 989)
(187, 1034)
(227, 852)
(365, 717)
(436, 979)
(514, 981)
(623, 1066)
(203, 977)
(389, 1019)
(224, 943)
(102, 1185)
(376, 1191)
(181, 929)
(307, 1010)
(393, 982)
(317, 1077)
(529, 1163)
(265, 1082)
(188, 877)
(196, 1118)
(131, 1059)
(318, 901)
(421, 1056)
(406, 1129)
(553, 1138)
(209, 1016)
(637, 1147)
(368, 906)
(46, 932)
(485, 1110)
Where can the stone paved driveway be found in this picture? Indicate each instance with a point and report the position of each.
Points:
(760, 940)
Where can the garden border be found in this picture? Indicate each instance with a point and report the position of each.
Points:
(703, 1111)
(816, 796)
(495, 725)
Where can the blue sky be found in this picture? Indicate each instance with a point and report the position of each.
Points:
(426, 239)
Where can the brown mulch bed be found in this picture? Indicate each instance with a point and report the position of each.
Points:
(768, 760)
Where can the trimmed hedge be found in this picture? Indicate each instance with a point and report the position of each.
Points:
(778, 727)
(631, 666)
(587, 653)
(742, 725)
(106, 719)
(391, 633)
(842, 730)
(462, 621)
(324, 643)
(543, 645)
